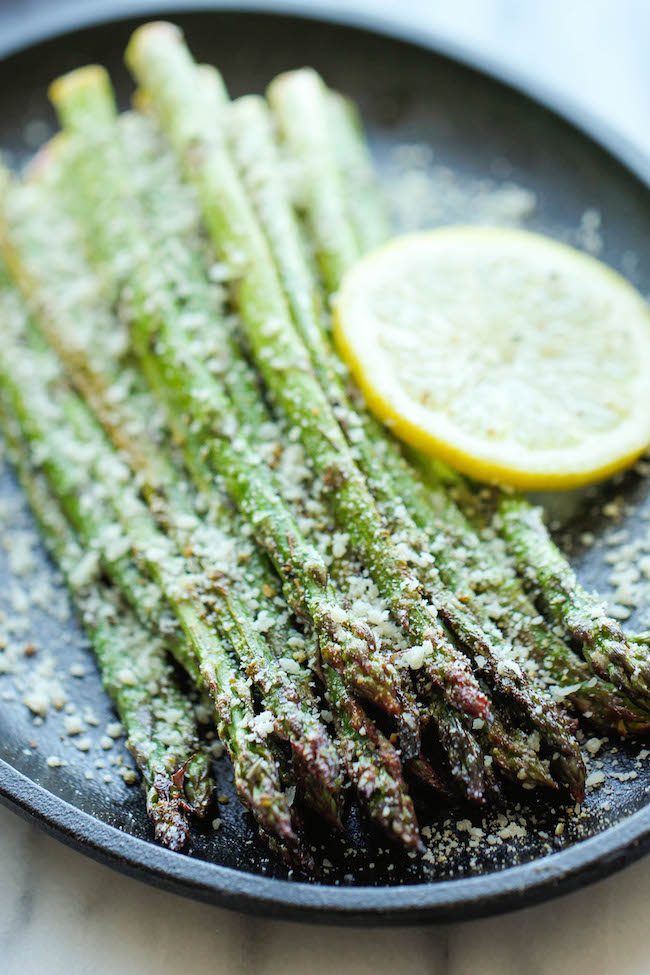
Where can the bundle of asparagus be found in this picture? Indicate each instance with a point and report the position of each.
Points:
(175, 407)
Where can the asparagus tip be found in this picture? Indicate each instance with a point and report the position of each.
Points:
(319, 777)
(571, 770)
(152, 30)
(421, 769)
(89, 76)
(194, 781)
(167, 812)
(295, 855)
(409, 733)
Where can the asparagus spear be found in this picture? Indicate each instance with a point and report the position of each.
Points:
(252, 139)
(488, 581)
(299, 286)
(373, 769)
(374, 766)
(599, 701)
(84, 102)
(163, 190)
(174, 229)
(61, 288)
(62, 438)
(300, 104)
(454, 541)
(605, 646)
(469, 744)
(294, 716)
(294, 713)
(422, 771)
(582, 615)
(127, 425)
(367, 211)
(372, 763)
(302, 109)
(158, 718)
(164, 67)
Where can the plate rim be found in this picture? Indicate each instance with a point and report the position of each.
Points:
(445, 901)
(52, 25)
(440, 901)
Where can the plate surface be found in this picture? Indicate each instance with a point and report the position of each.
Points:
(478, 129)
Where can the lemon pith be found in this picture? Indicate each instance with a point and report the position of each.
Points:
(514, 358)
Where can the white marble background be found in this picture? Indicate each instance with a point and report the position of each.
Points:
(60, 913)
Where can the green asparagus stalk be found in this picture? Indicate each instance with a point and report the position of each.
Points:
(605, 646)
(466, 733)
(126, 423)
(164, 68)
(518, 761)
(421, 770)
(580, 614)
(296, 279)
(294, 714)
(174, 230)
(67, 446)
(162, 191)
(642, 639)
(379, 784)
(387, 799)
(382, 791)
(379, 459)
(367, 211)
(157, 716)
(372, 763)
(374, 766)
(453, 539)
(85, 105)
(489, 583)
(254, 150)
(173, 227)
(302, 108)
(61, 288)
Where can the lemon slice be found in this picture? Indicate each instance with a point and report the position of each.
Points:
(512, 357)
